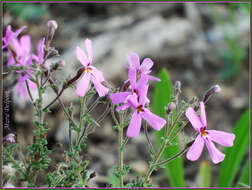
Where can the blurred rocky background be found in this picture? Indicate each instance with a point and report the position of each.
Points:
(199, 44)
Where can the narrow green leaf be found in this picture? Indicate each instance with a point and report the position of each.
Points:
(205, 174)
(234, 155)
(243, 181)
(113, 180)
(162, 96)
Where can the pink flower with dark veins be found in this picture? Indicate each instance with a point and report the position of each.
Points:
(206, 137)
(90, 72)
(121, 97)
(138, 105)
(10, 35)
(143, 69)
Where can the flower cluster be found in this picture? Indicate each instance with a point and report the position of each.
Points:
(136, 98)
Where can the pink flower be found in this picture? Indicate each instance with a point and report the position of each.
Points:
(120, 97)
(22, 48)
(10, 35)
(90, 72)
(206, 137)
(144, 68)
(10, 138)
(140, 112)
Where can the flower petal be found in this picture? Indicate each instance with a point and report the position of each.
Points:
(134, 126)
(25, 42)
(153, 78)
(196, 149)
(97, 73)
(81, 56)
(194, 119)
(89, 49)
(100, 88)
(119, 97)
(215, 154)
(40, 49)
(203, 114)
(155, 121)
(146, 65)
(132, 101)
(83, 84)
(221, 137)
(122, 107)
(132, 78)
(133, 60)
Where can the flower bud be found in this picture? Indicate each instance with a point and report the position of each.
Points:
(10, 138)
(214, 89)
(171, 106)
(52, 26)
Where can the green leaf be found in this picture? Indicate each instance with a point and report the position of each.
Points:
(113, 180)
(244, 178)
(162, 96)
(205, 174)
(234, 155)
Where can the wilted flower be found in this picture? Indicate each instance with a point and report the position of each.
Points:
(90, 72)
(206, 136)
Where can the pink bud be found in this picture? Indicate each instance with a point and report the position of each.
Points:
(52, 24)
(10, 138)
(217, 88)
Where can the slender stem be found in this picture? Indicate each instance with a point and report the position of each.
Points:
(156, 159)
(173, 157)
(55, 99)
(113, 115)
(148, 139)
(121, 155)
(83, 100)
(28, 90)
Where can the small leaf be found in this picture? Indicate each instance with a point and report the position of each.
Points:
(234, 155)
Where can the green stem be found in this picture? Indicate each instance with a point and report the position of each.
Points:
(83, 100)
(121, 150)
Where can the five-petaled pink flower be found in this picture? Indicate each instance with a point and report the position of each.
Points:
(206, 137)
(138, 105)
(90, 72)
(143, 69)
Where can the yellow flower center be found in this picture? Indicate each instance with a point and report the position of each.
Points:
(139, 109)
(88, 69)
(203, 132)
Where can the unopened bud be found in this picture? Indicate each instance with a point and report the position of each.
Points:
(52, 26)
(171, 106)
(177, 88)
(211, 91)
(217, 88)
(10, 138)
